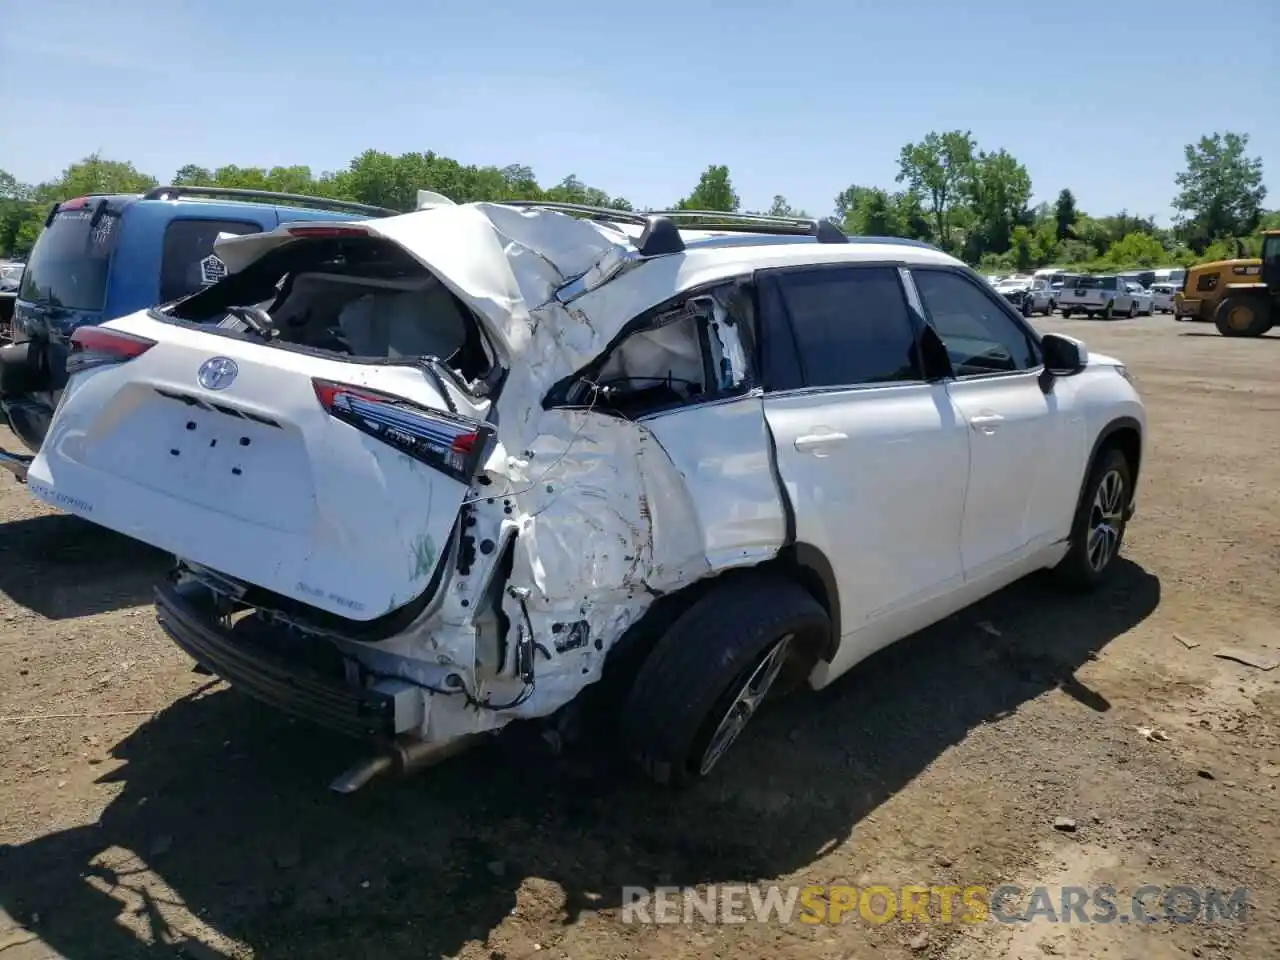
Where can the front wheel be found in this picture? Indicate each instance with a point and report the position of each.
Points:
(709, 673)
(1066, 313)
(1097, 531)
(1133, 309)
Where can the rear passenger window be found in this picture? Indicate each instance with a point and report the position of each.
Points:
(852, 326)
(980, 337)
(188, 263)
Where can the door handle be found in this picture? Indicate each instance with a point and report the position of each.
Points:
(817, 443)
(986, 422)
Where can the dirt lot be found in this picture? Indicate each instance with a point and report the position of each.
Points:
(151, 813)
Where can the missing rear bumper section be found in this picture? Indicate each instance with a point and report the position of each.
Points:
(264, 675)
(368, 714)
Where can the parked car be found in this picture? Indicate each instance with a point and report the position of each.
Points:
(1028, 294)
(431, 474)
(102, 257)
(10, 276)
(1142, 297)
(1107, 296)
(1162, 295)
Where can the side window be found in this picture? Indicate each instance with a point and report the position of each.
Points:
(980, 337)
(187, 263)
(852, 326)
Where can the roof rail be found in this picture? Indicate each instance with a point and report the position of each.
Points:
(824, 230)
(662, 229)
(319, 203)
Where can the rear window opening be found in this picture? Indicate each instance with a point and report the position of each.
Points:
(683, 353)
(71, 260)
(361, 298)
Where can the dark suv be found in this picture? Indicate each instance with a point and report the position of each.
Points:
(102, 257)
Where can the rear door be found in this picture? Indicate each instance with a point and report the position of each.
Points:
(874, 458)
(1022, 468)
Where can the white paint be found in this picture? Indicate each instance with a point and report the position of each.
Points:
(924, 497)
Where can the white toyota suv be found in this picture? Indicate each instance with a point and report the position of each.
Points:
(429, 474)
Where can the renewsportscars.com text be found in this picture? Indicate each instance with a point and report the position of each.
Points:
(974, 904)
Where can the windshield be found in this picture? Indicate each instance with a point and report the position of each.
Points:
(69, 264)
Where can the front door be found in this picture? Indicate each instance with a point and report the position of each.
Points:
(1015, 432)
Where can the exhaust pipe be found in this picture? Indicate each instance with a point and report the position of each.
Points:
(402, 757)
(16, 464)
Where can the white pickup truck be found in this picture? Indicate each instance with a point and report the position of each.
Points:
(1106, 295)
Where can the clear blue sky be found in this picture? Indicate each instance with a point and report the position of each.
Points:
(798, 98)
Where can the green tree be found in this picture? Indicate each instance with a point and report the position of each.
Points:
(936, 168)
(780, 207)
(96, 175)
(996, 188)
(912, 220)
(191, 175)
(1064, 213)
(713, 192)
(1220, 193)
(1137, 250)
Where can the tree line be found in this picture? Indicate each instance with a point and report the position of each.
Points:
(972, 202)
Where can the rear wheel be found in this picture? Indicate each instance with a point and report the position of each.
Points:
(709, 673)
(1097, 531)
(1066, 313)
(1243, 315)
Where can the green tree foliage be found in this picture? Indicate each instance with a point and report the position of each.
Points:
(996, 188)
(1064, 214)
(936, 168)
(963, 198)
(713, 192)
(1220, 193)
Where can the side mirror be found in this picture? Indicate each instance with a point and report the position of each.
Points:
(1063, 357)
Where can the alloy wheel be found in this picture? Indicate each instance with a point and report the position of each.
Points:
(746, 702)
(1106, 518)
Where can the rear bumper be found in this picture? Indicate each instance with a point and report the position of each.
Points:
(268, 677)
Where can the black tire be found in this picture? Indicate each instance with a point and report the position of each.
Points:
(1026, 307)
(1243, 315)
(1066, 313)
(1110, 310)
(1133, 309)
(695, 672)
(1077, 569)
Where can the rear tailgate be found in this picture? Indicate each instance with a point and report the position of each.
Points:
(254, 478)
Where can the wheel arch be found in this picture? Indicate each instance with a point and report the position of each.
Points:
(1125, 435)
(801, 563)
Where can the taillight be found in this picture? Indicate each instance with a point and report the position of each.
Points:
(96, 346)
(327, 233)
(452, 444)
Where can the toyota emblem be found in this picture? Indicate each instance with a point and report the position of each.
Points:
(217, 373)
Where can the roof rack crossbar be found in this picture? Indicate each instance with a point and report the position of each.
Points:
(824, 230)
(320, 203)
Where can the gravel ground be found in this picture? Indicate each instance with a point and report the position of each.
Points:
(151, 813)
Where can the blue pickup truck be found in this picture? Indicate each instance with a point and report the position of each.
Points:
(102, 257)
